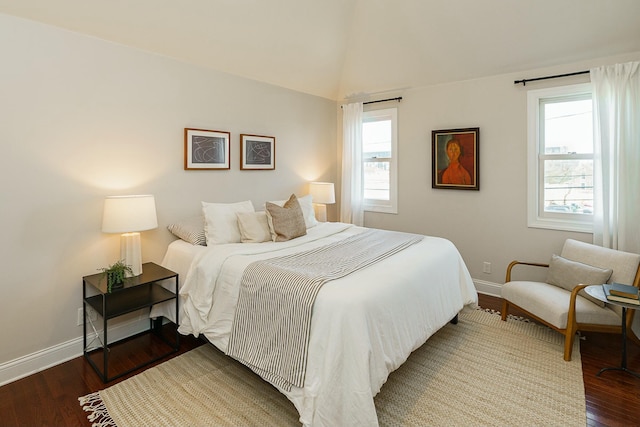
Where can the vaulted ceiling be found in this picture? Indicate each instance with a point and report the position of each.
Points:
(341, 48)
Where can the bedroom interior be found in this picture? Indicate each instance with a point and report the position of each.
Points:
(99, 98)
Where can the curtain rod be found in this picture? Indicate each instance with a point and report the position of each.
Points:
(382, 100)
(524, 81)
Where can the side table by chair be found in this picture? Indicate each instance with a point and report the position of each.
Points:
(596, 291)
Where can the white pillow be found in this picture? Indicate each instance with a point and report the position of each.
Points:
(221, 221)
(306, 204)
(254, 227)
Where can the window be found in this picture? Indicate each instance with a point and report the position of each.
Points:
(379, 157)
(561, 158)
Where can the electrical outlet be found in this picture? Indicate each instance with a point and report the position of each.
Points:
(486, 267)
(92, 315)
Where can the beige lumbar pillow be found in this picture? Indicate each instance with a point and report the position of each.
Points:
(286, 222)
(568, 274)
(254, 227)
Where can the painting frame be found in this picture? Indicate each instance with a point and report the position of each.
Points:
(207, 149)
(465, 171)
(257, 152)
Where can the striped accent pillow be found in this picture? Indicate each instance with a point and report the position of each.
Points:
(190, 230)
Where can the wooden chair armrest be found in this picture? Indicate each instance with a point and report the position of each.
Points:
(574, 293)
(571, 314)
(514, 263)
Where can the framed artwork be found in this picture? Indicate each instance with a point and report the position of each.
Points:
(206, 149)
(257, 152)
(454, 156)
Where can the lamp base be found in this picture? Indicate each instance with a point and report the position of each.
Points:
(321, 212)
(131, 253)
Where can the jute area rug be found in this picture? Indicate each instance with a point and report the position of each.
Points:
(480, 372)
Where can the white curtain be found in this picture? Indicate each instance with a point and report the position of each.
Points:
(351, 203)
(616, 106)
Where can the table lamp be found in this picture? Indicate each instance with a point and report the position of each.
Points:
(323, 194)
(130, 215)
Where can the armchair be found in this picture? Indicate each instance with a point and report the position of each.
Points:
(561, 303)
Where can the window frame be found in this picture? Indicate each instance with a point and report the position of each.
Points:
(537, 217)
(377, 205)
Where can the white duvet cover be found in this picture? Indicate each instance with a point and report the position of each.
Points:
(364, 325)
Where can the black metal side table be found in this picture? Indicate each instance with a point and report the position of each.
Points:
(597, 292)
(136, 293)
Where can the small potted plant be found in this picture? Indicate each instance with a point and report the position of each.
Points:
(116, 274)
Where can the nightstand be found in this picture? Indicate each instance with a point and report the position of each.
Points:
(137, 293)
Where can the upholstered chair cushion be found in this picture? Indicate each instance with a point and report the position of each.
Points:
(551, 303)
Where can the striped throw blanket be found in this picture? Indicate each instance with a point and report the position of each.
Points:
(270, 332)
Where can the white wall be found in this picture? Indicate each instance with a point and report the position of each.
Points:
(491, 224)
(80, 119)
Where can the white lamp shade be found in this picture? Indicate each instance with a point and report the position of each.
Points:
(322, 192)
(125, 214)
(130, 215)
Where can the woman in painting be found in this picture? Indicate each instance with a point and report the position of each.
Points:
(455, 173)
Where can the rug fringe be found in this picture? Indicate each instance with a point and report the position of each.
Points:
(509, 316)
(98, 412)
(522, 319)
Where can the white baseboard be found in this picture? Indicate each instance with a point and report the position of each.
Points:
(52, 356)
(40, 360)
(488, 288)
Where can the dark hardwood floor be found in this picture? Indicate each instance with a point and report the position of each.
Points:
(50, 397)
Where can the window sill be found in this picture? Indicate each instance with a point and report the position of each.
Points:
(561, 225)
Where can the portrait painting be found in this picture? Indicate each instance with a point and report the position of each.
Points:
(455, 154)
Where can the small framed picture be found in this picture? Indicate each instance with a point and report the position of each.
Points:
(206, 149)
(455, 154)
(257, 152)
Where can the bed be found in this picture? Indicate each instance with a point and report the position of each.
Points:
(364, 325)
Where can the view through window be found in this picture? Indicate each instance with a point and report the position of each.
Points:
(376, 147)
(379, 146)
(567, 155)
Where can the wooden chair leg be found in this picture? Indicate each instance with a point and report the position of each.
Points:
(505, 310)
(572, 326)
(569, 338)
